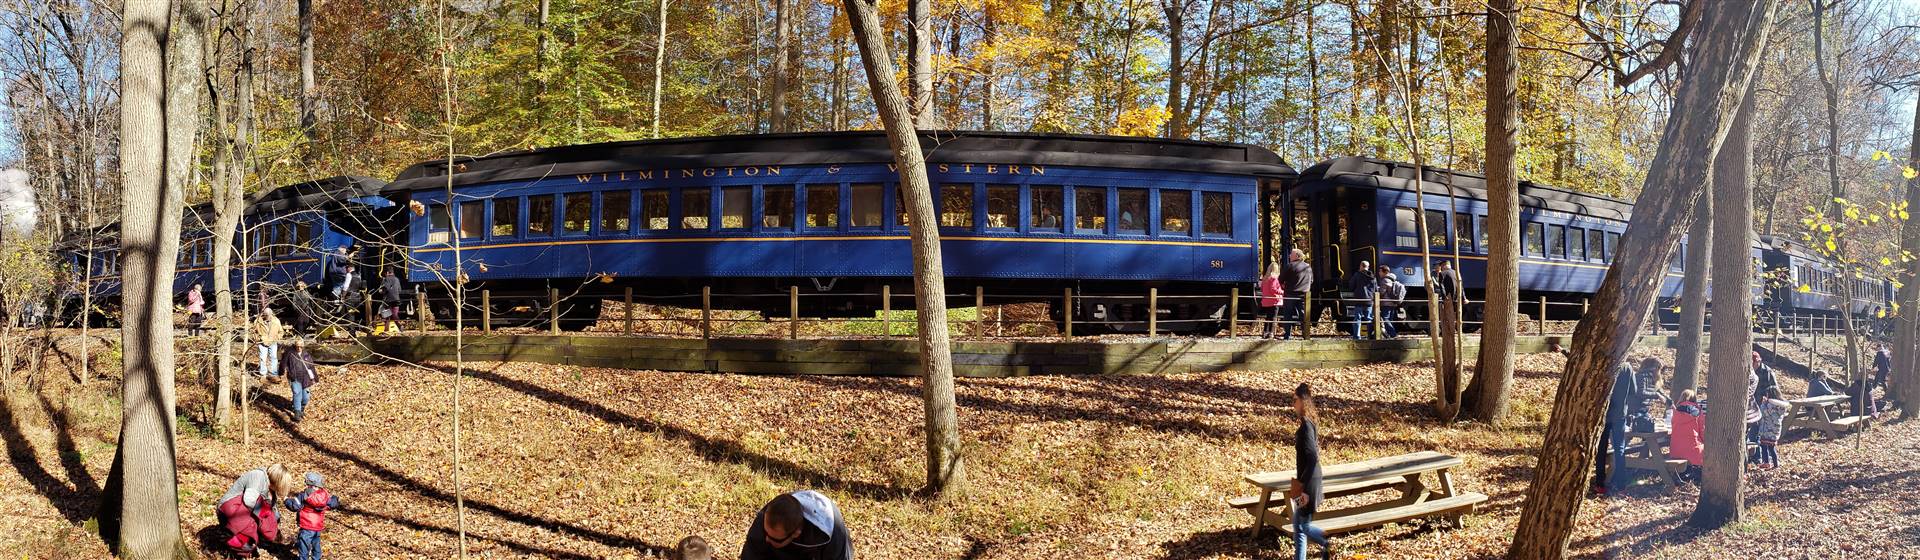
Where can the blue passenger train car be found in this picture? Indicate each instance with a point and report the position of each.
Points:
(1022, 216)
(287, 235)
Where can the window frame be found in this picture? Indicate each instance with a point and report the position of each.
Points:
(600, 206)
(1102, 204)
(1029, 213)
(1596, 245)
(1014, 214)
(551, 223)
(835, 220)
(460, 220)
(678, 211)
(1144, 218)
(761, 198)
(1230, 232)
(752, 208)
(593, 213)
(644, 224)
(1406, 227)
(1557, 234)
(972, 192)
(1159, 204)
(1531, 233)
(493, 216)
(1446, 229)
(880, 213)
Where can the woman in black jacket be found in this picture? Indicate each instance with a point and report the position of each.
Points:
(1305, 492)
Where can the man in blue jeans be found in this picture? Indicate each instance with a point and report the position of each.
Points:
(1362, 286)
(1609, 461)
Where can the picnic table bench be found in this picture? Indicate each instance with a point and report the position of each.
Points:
(1823, 414)
(1404, 473)
(1651, 453)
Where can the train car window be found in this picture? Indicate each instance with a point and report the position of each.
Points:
(823, 206)
(956, 205)
(654, 209)
(1216, 214)
(1679, 258)
(1613, 245)
(1576, 244)
(295, 234)
(1463, 232)
(1406, 232)
(1596, 245)
(439, 229)
(869, 204)
(1133, 211)
(1089, 210)
(900, 205)
(736, 203)
(694, 208)
(1480, 223)
(506, 217)
(1535, 241)
(473, 220)
(1437, 228)
(1556, 241)
(576, 213)
(616, 211)
(1003, 207)
(540, 216)
(776, 210)
(1176, 212)
(1045, 209)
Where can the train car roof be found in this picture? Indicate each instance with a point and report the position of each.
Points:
(867, 147)
(306, 194)
(1381, 173)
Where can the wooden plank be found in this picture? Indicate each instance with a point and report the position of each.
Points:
(1398, 465)
(1347, 521)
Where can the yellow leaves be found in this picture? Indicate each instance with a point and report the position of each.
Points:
(1884, 261)
(1909, 172)
(1805, 289)
(1881, 155)
(1141, 121)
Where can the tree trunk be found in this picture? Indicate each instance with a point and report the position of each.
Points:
(159, 103)
(782, 42)
(919, 62)
(1489, 393)
(659, 64)
(1693, 296)
(309, 92)
(988, 34)
(1723, 56)
(1835, 189)
(1313, 89)
(1722, 498)
(943, 435)
(1906, 350)
(1176, 11)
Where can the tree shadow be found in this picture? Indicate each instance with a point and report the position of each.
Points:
(1212, 544)
(74, 498)
(710, 449)
(286, 425)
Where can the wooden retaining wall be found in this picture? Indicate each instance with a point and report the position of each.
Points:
(899, 357)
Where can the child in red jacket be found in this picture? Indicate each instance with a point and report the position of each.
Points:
(311, 506)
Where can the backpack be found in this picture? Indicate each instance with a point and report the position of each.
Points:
(1394, 292)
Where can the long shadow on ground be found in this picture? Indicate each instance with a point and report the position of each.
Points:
(394, 477)
(75, 497)
(710, 449)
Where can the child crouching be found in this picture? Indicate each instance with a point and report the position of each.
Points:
(312, 505)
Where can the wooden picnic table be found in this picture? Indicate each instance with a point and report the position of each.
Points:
(1652, 454)
(1822, 414)
(1403, 473)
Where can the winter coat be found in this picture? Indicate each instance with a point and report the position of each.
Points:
(390, 290)
(195, 303)
(1773, 416)
(1689, 426)
(297, 365)
(1272, 294)
(1297, 277)
(269, 330)
(312, 506)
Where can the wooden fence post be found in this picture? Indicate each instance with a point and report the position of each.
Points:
(706, 313)
(1233, 312)
(626, 296)
(420, 307)
(999, 320)
(486, 311)
(1376, 316)
(1543, 316)
(1066, 313)
(1584, 307)
(553, 311)
(1306, 316)
(886, 310)
(980, 310)
(793, 312)
(1153, 311)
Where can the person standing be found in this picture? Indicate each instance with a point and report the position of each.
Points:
(390, 301)
(1272, 294)
(1882, 364)
(799, 525)
(268, 330)
(302, 304)
(297, 365)
(1360, 289)
(339, 270)
(1609, 461)
(310, 508)
(1392, 292)
(1306, 492)
(1296, 278)
(196, 310)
